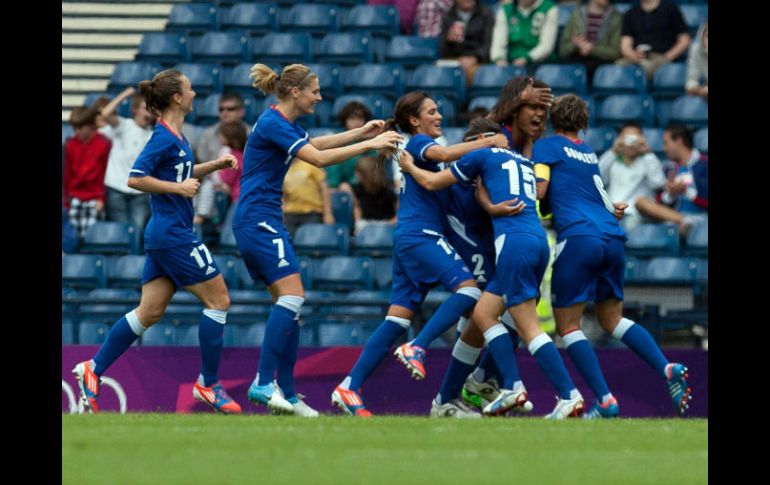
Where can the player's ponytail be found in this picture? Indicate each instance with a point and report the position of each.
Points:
(158, 92)
(264, 78)
(385, 154)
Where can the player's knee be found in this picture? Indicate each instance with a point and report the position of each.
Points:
(149, 315)
(470, 291)
(291, 302)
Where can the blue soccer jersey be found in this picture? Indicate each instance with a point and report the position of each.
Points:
(273, 143)
(506, 175)
(579, 202)
(419, 208)
(167, 156)
(470, 232)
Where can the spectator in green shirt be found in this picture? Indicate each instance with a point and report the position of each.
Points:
(343, 176)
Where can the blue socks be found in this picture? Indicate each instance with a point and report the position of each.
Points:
(584, 358)
(499, 344)
(638, 339)
(277, 332)
(211, 331)
(376, 348)
(463, 360)
(549, 360)
(285, 371)
(448, 313)
(122, 334)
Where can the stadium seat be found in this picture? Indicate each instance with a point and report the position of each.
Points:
(130, 74)
(252, 18)
(236, 79)
(663, 112)
(83, 271)
(701, 269)
(226, 264)
(160, 334)
(283, 47)
(691, 111)
(222, 47)
(445, 80)
(342, 208)
(110, 238)
(565, 10)
(633, 269)
(68, 332)
(694, 16)
(623, 7)
(193, 18)
(412, 51)
(346, 48)
(697, 241)
(207, 109)
(248, 335)
(375, 240)
(380, 106)
(92, 332)
(343, 334)
(383, 273)
(227, 244)
(186, 336)
(669, 80)
(653, 240)
(329, 77)
(453, 135)
(385, 79)
(205, 78)
(489, 79)
(613, 79)
(315, 19)
(341, 273)
(377, 20)
(600, 138)
(126, 272)
(701, 140)
(654, 137)
(669, 270)
(485, 102)
(244, 278)
(564, 78)
(164, 47)
(317, 240)
(104, 312)
(620, 108)
(448, 109)
(110, 294)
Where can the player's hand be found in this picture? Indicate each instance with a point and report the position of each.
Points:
(226, 161)
(506, 208)
(499, 140)
(533, 95)
(188, 188)
(620, 210)
(388, 139)
(371, 128)
(406, 162)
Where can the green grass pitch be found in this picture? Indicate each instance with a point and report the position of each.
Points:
(390, 450)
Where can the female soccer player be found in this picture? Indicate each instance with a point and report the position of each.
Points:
(258, 227)
(175, 256)
(421, 254)
(590, 260)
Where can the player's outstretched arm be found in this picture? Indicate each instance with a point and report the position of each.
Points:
(369, 130)
(187, 188)
(225, 161)
(427, 179)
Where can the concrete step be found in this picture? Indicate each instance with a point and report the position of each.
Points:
(100, 40)
(115, 9)
(97, 55)
(83, 85)
(73, 69)
(112, 24)
(72, 100)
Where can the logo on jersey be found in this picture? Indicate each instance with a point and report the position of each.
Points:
(283, 263)
(182, 153)
(209, 270)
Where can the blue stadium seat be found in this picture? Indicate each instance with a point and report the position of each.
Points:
(694, 16)
(221, 47)
(322, 115)
(691, 111)
(283, 47)
(489, 79)
(342, 208)
(620, 108)
(669, 80)
(205, 78)
(383, 273)
(701, 140)
(104, 312)
(600, 138)
(126, 272)
(236, 79)
(701, 269)
(385, 79)
(164, 47)
(377, 20)
(160, 334)
(316, 19)
(92, 332)
(591, 102)
(68, 332)
(633, 269)
(244, 278)
(341, 273)
(83, 271)
(103, 294)
(131, 74)
(343, 334)
(565, 10)
(329, 77)
(67, 131)
(653, 240)
(486, 102)
(346, 48)
(123, 109)
(374, 240)
(663, 112)
(226, 264)
(253, 18)
(623, 7)
(448, 109)
(412, 51)
(564, 78)
(227, 244)
(613, 79)
(697, 242)
(207, 109)
(380, 106)
(319, 240)
(654, 137)
(193, 18)
(453, 135)
(448, 81)
(668, 270)
(186, 336)
(111, 238)
(249, 335)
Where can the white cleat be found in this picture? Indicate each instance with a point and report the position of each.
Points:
(302, 409)
(452, 409)
(567, 408)
(509, 399)
(480, 394)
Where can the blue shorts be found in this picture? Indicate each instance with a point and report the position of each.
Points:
(420, 260)
(587, 268)
(185, 265)
(522, 259)
(267, 251)
(479, 258)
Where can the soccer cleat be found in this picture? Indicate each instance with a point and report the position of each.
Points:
(302, 409)
(216, 397)
(599, 410)
(413, 357)
(479, 394)
(509, 399)
(455, 408)
(350, 402)
(89, 383)
(676, 380)
(567, 408)
(271, 396)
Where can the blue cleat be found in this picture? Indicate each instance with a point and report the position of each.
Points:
(216, 397)
(271, 396)
(413, 357)
(676, 380)
(599, 410)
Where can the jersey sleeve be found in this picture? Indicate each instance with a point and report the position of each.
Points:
(468, 167)
(152, 155)
(286, 136)
(417, 146)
